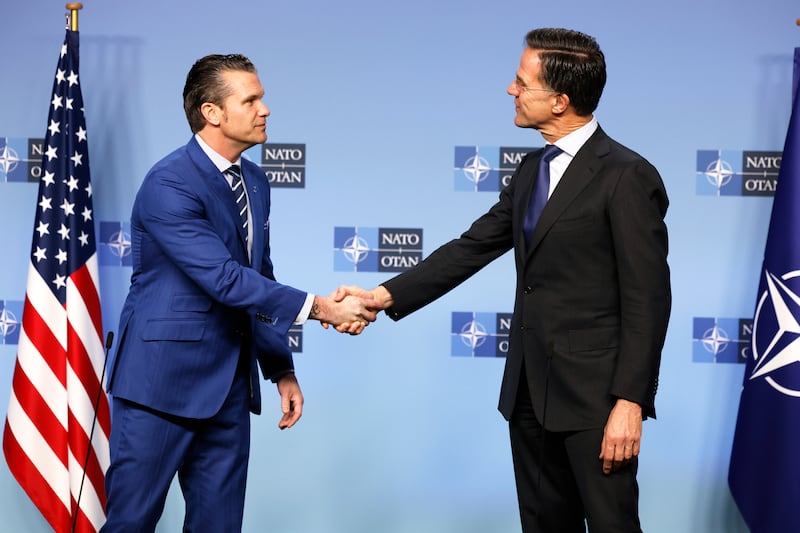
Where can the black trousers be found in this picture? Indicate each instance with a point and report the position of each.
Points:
(561, 486)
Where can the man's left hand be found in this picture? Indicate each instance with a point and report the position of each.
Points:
(622, 435)
(291, 400)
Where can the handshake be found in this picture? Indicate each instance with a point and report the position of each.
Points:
(349, 309)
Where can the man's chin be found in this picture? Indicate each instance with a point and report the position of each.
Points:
(523, 122)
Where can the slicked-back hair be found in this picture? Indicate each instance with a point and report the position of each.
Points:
(572, 63)
(204, 83)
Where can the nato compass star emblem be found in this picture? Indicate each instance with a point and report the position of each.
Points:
(719, 173)
(721, 339)
(9, 159)
(715, 340)
(356, 249)
(8, 323)
(478, 334)
(473, 334)
(776, 334)
(120, 244)
(476, 169)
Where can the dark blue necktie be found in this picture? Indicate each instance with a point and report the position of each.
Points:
(237, 186)
(540, 190)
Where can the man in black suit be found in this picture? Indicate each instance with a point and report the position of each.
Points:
(592, 297)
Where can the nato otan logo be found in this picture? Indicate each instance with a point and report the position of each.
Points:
(359, 249)
(776, 326)
(114, 248)
(21, 159)
(485, 168)
(479, 334)
(284, 164)
(737, 173)
(721, 340)
(10, 321)
(296, 338)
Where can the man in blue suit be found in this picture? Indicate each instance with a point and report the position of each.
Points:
(203, 312)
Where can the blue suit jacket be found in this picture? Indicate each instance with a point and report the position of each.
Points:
(194, 301)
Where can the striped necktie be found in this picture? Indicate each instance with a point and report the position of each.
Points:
(237, 186)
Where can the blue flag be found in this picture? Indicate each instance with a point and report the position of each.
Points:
(764, 474)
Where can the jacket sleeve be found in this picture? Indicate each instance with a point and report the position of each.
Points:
(637, 209)
(489, 237)
(177, 219)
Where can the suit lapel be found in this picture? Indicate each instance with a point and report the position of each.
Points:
(255, 189)
(218, 185)
(579, 174)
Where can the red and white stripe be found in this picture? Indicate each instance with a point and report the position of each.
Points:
(50, 415)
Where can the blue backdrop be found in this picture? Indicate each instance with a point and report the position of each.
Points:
(398, 435)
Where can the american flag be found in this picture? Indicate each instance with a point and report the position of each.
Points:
(60, 358)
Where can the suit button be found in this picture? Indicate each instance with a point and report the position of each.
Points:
(528, 289)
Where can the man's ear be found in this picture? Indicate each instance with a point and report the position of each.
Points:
(212, 113)
(561, 104)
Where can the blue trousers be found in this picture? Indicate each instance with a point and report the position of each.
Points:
(210, 457)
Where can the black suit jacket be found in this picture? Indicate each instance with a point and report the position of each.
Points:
(593, 291)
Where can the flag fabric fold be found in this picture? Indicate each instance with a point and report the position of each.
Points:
(764, 474)
(51, 432)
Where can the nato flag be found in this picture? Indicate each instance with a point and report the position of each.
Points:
(764, 474)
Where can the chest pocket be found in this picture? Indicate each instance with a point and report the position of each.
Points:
(173, 330)
(190, 302)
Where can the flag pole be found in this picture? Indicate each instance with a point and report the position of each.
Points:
(74, 7)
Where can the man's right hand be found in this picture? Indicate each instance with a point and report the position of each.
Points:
(347, 313)
(379, 296)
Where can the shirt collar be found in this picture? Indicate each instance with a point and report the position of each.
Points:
(570, 144)
(219, 161)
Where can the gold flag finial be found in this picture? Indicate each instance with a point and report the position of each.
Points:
(73, 14)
